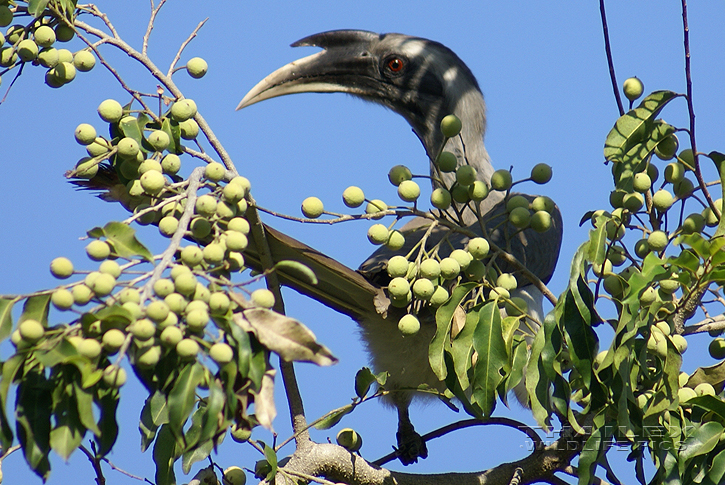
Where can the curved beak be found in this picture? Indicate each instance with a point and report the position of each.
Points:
(344, 66)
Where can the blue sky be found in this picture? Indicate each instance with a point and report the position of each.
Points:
(541, 66)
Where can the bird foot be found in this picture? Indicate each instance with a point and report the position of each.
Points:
(411, 446)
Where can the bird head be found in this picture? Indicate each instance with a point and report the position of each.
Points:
(419, 79)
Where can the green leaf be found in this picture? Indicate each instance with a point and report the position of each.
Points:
(198, 453)
(84, 399)
(165, 454)
(243, 348)
(129, 126)
(125, 244)
(107, 423)
(183, 396)
(492, 357)
(36, 7)
(155, 412)
(334, 417)
(62, 352)
(719, 160)
(462, 348)
(717, 468)
(631, 128)
(537, 382)
(174, 146)
(212, 421)
(189, 457)
(598, 241)
(68, 431)
(364, 378)
(441, 340)
(702, 440)
(271, 457)
(6, 317)
(298, 268)
(10, 370)
(36, 308)
(32, 418)
(593, 449)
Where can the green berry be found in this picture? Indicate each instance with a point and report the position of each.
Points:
(221, 353)
(312, 207)
(44, 36)
(430, 269)
(517, 201)
(541, 221)
(397, 266)
(543, 203)
(8, 57)
(185, 284)
(170, 336)
(478, 190)
(717, 348)
(667, 148)
(196, 320)
(187, 349)
(378, 234)
(196, 67)
(64, 72)
(398, 287)
(219, 303)
(395, 241)
(353, 196)
(450, 268)
(687, 157)
(409, 325)
(31, 331)
(459, 193)
(238, 224)
(215, 171)
(110, 111)
(112, 340)
(177, 303)
(349, 439)
(84, 60)
(657, 240)
(520, 217)
(168, 225)
(478, 247)
(684, 188)
(674, 172)
(142, 329)
(508, 281)
(64, 55)
(128, 148)
(114, 376)
(501, 180)
(263, 298)
(62, 299)
(103, 284)
(440, 199)
(516, 306)
(27, 50)
(213, 253)
(450, 126)
(61, 268)
(641, 182)
(440, 296)
(48, 57)
(465, 175)
(159, 139)
(633, 202)
(232, 193)
(398, 174)
(662, 200)
(447, 162)
(157, 310)
(110, 267)
(192, 255)
(183, 109)
(463, 258)
(541, 173)
(90, 348)
(200, 227)
(6, 16)
(163, 287)
(375, 206)
(633, 88)
(98, 250)
(81, 294)
(189, 129)
(152, 182)
(205, 205)
(475, 271)
(64, 33)
(423, 289)
(243, 182)
(693, 224)
(408, 191)
(236, 241)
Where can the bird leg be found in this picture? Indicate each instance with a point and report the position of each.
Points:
(411, 445)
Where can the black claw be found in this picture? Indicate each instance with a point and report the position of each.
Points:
(411, 446)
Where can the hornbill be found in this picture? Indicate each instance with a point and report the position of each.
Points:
(423, 81)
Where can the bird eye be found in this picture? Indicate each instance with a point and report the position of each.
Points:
(395, 64)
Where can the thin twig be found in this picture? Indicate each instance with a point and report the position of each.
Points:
(610, 60)
(150, 26)
(183, 46)
(96, 463)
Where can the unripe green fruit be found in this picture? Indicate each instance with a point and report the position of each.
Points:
(450, 268)
(353, 196)
(8, 56)
(604, 269)
(616, 198)
(127, 148)
(81, 294)
(110, 267)
(183, 109)
(657, 240)
(398, 287)
(397, 266)
(200, 303)
(152, 182)
(31, 331)
(498, 293)
(430, 269)
(114, 376)
(613, 285)
(395, 241)
(64, 33)
(27, 50)
(261, 469)
(215, 171)
(177, 303)
(238, 224)
(86, 168)
(240, 434)
(459, 193)
(680, 343)
(520, 217)
(219, 303)
(633, 88)
(375, 206)
(64, 55)
(62, 299)
(541, 173)
(64, 72)
(717, 348)
(378, 234)
(440, 199)
(61, 268)
(478, 190)
(312, 207)
(662, 200)
(705, 389)
(159, 139)
(440, 296)
(221, 353)
(398, 174)
(236, 241)
(541, 221)
(233, 193)
(693, 224)
(213, 253)
(44, 36)
(685, 394)
(84, 60)
(478, 247)
(465, 175)
(684, 188)
(674, 172)
(48, 57)
(90, 348)
(263, 298)
(196, 67)
(633, 202)
(112, 340)
(508, 281)
(641, 182)
(463, 257)
(157, 310)
(96, 149)
(178, 270)
(517, 201)
(349, 439)
(450, 126)
(515, 306)
(667, 148)
(192, 255)
(98, 250)
(170, 164)
(242, 182)
(205, 205)
(648, 296)
(475, 271)
(6, 16)
(687, 157)
(409, 325)
(200, 227)
(408, 191)
(189, 129)
(235, 475)
(423, 289)
(447, 162)
(168, 225)
(185, 284)
(148, 356)
(170, 336)
(142, 329)
(225, 210)
(501, 180)
(196, 320)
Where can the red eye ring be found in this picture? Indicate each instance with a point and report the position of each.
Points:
(396, 64)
